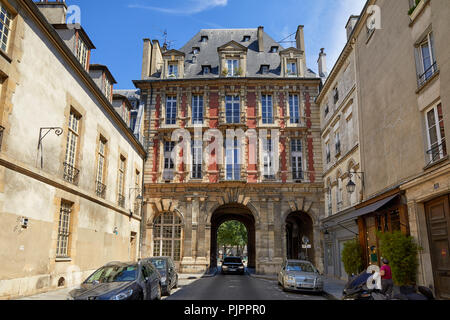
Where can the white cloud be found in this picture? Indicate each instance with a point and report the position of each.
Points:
(192, 7)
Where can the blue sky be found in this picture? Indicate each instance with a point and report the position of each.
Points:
(117, 28)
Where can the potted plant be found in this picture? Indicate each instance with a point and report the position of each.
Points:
(238, 72)
(225, 72)
(402, 252)
(352, 257)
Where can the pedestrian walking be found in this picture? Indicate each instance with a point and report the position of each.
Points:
(386, 279)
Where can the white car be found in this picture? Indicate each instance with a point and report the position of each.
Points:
(300, 275)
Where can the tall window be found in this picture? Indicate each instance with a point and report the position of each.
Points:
(233, 164)
(337, 141)
(137, 188)
(294, 108)
(268, 159)
(339, 201)
(292, 68)
(197, 160)
(168, 162)
(328, 152)
(107, 89)
(167, 236)
(5, 27)
(62, 244)
(330, 200)
(197, 109)
(267, 109)
(100, 186)
(173, 70)
(233, 67)
(121, 186)
(428, 65)
(171, 110)
(232, 109)
(70, 172)
(297, 159)
(82, 52)
(436, 134)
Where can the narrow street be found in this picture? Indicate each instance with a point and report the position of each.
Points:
(235, 287)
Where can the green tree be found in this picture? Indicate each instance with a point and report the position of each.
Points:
(232, 234)
(402, 253)
(352, 257)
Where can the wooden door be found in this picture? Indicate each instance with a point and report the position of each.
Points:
(438, 219)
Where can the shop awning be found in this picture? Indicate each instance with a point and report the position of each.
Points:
(365, 210)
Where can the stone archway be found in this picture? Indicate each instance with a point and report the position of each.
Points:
(299, 225)
(230, 212)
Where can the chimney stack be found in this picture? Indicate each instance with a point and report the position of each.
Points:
(260, 39)
(54, 11)
(147, 58)
(300, 38)
(322, 63)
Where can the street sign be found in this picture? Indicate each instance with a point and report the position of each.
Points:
(306, 246)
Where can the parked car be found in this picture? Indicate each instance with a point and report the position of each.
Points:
(300, 275)
(121, 281)
(233, 265)
(167, 270)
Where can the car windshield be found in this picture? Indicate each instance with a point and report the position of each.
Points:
(159, 264)
(232, 260)
(300, 266)
(113, 273)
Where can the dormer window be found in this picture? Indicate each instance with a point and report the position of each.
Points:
(292, 68)
(206, 69)
(246, 39)
(204, 39)
(173, 70)
(82, 52)
(265, 69)
(274, 49)
(195, 50)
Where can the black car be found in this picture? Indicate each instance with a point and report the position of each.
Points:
(121, 281)
(233, 265)
(169, 275)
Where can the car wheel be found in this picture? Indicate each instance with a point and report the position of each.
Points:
(167, 291)
(176, 283)
(284, 287)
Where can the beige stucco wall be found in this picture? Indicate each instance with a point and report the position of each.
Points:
(39, 91)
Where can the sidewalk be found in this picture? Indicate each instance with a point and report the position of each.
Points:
(333, 288)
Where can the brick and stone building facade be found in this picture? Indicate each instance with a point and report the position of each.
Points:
(238, 79)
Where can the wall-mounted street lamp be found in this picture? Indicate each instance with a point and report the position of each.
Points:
(351, 186)
(43, 132)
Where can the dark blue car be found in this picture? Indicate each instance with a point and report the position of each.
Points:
(121, 281)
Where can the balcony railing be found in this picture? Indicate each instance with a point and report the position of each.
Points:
(100, 189)
(424, 77)
(121, 200)
(437, 152)
(1, 136)
(71, 173)
(298, 176)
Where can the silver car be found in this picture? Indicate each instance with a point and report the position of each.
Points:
(300, 275)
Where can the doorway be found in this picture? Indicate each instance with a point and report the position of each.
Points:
(299, 227)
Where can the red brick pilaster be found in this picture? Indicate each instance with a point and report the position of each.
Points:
(213, 167)
(252, 170)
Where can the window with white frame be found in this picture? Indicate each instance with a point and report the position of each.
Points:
(297, 159)
(268, 159)
(197, 109)
(267, 109)
(100, 185)
(121, 181)
(169, 165)
(171, 110)
(330, 201)
(232, 160)
(167, 236)
(64, 223)
(428, 66)
(5, 27)
(233, 67)
(107, 89)
(292, 68)
(294, 108)
(437, 147)
(337, 141)
(339, 201)
(70, 172)
(233, 109)
(172, 70)
(82, 52)
(197, 159)
(328, 152)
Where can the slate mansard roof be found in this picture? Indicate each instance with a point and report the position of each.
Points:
(208, 55)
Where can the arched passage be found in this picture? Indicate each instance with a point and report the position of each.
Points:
(236, 212)
(299, 225)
